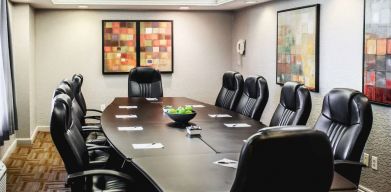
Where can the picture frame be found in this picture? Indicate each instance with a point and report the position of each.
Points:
(126, 44)
(297, 50)
(376, 67)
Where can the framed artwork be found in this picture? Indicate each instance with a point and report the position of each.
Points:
(119, 46)
(298, 46)
(131, 43)
(156, 45)
(377, 51)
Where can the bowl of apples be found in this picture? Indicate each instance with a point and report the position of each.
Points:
(182, 114)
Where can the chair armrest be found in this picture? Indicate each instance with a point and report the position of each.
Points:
(348, 163)
(98, 147)
(91, 128)
(91, 145)
(74, 176)
(97, 164)
(95, 110)
(92, 117)
(100, 142)
(351, 170)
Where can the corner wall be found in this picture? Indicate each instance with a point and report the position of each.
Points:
(341, 49)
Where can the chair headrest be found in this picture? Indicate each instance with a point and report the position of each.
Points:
(77, 82)
(231, 80)
(80, 76)
(251, 86)
(144, 75)
(288, 95)
(63, 102)
(64, 88)
(340, 105)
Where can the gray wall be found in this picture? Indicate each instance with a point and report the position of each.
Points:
(70, 42)
(341, 44)
(23, 36)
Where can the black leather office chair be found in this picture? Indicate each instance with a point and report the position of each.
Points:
(81, 173)
(231, 90)
(145, 82)
(254, 97)
(294, 107)
(285, 159)
(77, 82)
(91, 133)
(347, 119)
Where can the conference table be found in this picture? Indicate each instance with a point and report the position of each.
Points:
(184, 163)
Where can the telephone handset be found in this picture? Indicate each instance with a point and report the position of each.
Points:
(241, 47)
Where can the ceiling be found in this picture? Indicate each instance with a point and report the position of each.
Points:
(142, 4)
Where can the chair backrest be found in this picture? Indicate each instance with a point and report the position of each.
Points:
(346, 118)
(231, 90)
(285, 159)
(254, 97)
(77, 82)
(77, 113)
(294, 107)
(66, 137)
(145, 82)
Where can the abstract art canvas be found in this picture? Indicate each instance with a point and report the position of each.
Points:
(377, 51)
(119, 46)
(132, 43)
(298, 46)
(156, 45)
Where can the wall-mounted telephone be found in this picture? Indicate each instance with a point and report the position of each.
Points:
(241, 47)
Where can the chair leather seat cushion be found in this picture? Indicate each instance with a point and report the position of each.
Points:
(103, 183)
(98, 155)
(96, 138)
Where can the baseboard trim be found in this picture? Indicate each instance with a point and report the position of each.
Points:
(10, 150)
(29, 141)
(362, 188)
(24, 141)
(43, 128)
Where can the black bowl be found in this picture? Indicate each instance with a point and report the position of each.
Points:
(182, 118)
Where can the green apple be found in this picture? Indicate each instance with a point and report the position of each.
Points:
(188, 112)
(189, 108)
(181, 111)
(172, 111)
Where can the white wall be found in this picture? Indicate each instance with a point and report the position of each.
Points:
(69, 42)
(341, 45)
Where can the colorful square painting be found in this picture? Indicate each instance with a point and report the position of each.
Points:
(298, 46)
(156, 45)
(119, 46)
(377, 51)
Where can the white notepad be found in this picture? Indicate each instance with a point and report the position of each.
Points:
(135, 128)
(237, 125)
(227, 163)
(128, 107)
(125, 116)
(219, 115)
(196, 106)
(151, 99)
(148, 146)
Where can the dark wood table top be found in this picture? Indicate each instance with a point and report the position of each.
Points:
(185, 163)
(159, 128)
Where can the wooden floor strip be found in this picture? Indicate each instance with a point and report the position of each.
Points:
(38, 167)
